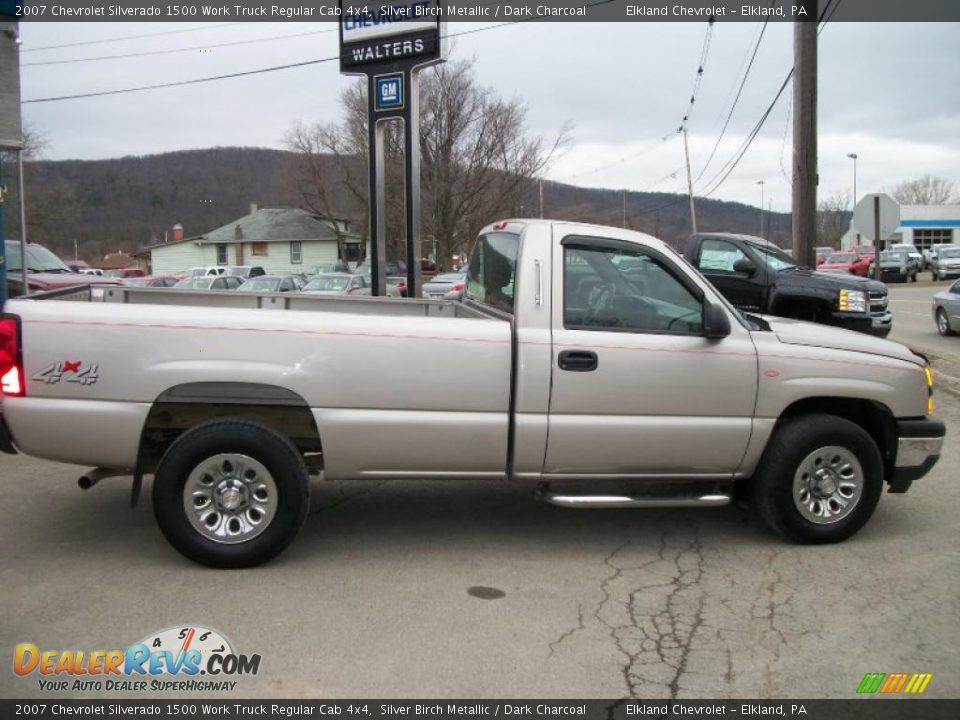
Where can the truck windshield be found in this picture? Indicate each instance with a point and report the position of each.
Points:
(39, 259)
(775, 258)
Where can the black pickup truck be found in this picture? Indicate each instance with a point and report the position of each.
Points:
(757, 276)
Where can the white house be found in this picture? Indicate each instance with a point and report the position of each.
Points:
(278, 239)
(920, 225)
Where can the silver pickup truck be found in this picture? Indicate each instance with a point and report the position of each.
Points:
(593, 363)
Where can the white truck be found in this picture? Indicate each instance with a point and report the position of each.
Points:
(592, 362)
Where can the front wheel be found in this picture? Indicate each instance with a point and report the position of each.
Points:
(230, 493)
(820, 479)
(943, 322)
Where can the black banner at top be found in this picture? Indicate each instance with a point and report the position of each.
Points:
(492, 11)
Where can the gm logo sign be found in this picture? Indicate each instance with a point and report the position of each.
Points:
(389, 89)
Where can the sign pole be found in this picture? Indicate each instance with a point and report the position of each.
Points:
(876, 234)
(3, 244)
(389, 44)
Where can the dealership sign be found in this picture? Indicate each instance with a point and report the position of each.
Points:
(375, 34)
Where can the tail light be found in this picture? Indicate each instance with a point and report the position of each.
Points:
(456, 287)
(11, 359)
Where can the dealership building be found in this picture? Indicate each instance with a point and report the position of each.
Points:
(920, 225)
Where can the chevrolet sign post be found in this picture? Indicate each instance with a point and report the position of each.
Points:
(390, 42)
(11, 133)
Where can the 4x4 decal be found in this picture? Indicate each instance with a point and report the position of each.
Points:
(71, 370)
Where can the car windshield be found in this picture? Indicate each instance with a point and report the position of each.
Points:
(327, 283)
(260, 284)
(39, 259)
(893, 256)
(775, 258)
(238, 270)
(195, 283)
(843, 258)
(948, 252)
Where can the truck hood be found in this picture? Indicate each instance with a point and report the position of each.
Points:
(805, 277)
(798, 332)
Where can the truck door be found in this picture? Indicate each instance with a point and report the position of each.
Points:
(638, 390)
(716, 259)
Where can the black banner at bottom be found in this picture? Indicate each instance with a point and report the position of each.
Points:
(868, 708)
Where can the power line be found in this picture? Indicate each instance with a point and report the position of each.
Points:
(736, 100)
(698, 78)
(128, 37)
(176, 50)
(227, 76)
(620, 161)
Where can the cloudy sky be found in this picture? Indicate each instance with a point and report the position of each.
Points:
(887, 93)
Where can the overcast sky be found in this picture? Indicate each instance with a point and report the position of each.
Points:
(887, 92)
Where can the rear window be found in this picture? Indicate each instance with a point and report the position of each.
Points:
(492, 272)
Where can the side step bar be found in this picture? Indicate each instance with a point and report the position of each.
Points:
(633, 501)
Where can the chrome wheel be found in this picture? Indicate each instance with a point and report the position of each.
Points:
(230, 498)
(828, 485)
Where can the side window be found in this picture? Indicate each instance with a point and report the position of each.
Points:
(621, 290)
(491, 277)
(286, 285)
(718, 256)
(955, 288)
(218, 284)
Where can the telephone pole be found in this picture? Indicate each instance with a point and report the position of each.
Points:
(805, 136)
(693, 209)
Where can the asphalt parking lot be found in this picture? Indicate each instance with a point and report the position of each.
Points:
(434, 589)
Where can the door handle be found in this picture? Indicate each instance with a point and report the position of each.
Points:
(578, 360)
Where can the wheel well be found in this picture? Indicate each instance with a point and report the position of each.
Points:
(875, 418)
(185, 406)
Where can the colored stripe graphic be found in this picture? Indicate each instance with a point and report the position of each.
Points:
(893, 683)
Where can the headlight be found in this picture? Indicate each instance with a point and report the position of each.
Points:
(852, 301)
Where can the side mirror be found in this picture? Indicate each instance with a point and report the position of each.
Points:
(716, 324)
(745, 266)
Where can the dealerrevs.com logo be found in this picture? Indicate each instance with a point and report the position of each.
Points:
(184, 658)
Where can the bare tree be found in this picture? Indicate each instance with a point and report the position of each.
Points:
(478, 162)
(833, 218)
(926, 190)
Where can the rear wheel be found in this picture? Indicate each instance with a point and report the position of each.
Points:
(820, 479)
(943, 322)
(230, 493)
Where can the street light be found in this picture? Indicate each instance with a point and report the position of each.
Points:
(761, 183)
(853, 156)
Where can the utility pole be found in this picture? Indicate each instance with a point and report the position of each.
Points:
(805, 136)
(541, 198)
(693, 209)
(853, 156)
(624, 194)
(761, 183)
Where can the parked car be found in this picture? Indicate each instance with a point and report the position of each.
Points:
(930, 253)
(897, 266)
(245, 271)
(609, 358)
(823, 252)
(946, 263)
(209, 270)
(329, 268)
(210, 282)
(446, 286)
(946, 309)
(338, 284)
(269, 283)
(757, 277)
(848, 262)
(392, 267)
(398, 283)
(92, 271)
(912, 251)
(428, 265)
(45, 271)
(153, 281)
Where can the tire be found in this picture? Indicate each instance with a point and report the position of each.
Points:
(943, 322)
(790, 452)
(254, 504)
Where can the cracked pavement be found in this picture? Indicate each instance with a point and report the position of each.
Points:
(371, 599)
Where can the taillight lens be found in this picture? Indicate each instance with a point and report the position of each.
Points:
(11, 362)
(456, 287)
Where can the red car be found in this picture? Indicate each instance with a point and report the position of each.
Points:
(848, 261)
(153, 281)
(45, 271)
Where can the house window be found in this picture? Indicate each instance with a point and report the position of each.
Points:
(221, 253)
(296, 252)
(258, 248)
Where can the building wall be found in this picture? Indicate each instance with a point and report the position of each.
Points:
(920, 225)
(173, 259)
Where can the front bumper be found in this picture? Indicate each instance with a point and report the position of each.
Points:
(878, 323)
(919, 443)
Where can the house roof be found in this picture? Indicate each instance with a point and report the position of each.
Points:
(115, 261)
(270, 225)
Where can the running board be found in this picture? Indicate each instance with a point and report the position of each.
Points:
(632, 501)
